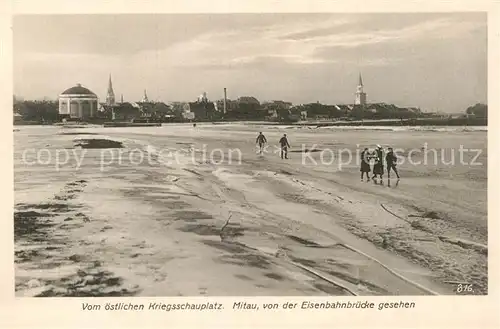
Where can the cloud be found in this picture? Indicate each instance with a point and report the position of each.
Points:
(301, 57)
(300, 43)
(204, 43)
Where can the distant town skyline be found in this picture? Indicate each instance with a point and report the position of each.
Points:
(432, 61)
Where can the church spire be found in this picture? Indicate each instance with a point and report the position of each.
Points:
(145, 98)
(110, 96)
(360, 94)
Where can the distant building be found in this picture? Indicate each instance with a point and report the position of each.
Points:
(78, 102)
(230, 105)
(202, 110)
(203, 98)
(156, 110)
(303, 115)
(282, 105)
(110, 96)
(146, 109)
(272, 113)
(124, 112)
(360, 94)
(248, 100)
(344, 108)
(180, 107)
(18, 117)
(416, 110)
(188, 115)
(145, 97)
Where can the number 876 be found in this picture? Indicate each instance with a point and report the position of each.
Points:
(464, 288)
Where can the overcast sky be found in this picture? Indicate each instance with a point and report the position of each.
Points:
(435, 61)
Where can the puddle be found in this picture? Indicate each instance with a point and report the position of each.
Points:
(231, 247)
(30, 225)
(275, 276)
(305, 151)
(284, 172)
(251, 260)
(85, 284)
(97, 143)
(305, 262)
(303, 241)
(201, 229)
(54, 207)
(29, 214)
(243, 277)
(193, 215)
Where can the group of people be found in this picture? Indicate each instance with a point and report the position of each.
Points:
(378, 166)
(377, 157)
(284, 145)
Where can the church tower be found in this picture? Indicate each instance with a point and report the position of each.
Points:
(110, 96)
(145, 98)
(360, 95)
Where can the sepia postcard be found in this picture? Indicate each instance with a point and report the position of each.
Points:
(210, 164)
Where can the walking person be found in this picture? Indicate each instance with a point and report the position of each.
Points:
(391, 161)
(261, 140)
(378, 167)
(284, 146)
(365, 164)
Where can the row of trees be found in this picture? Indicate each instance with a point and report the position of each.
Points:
(358, 112)
(126, 111)
(39, 111)
(47, 111)
(479, 110)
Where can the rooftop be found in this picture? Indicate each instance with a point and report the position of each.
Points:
(78, 90)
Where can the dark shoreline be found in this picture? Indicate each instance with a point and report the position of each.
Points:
(413, 122)
(392, 123)
(379, 123)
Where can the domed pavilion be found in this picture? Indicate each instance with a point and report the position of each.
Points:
(78, 103)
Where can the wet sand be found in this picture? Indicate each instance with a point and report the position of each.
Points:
(265, 226)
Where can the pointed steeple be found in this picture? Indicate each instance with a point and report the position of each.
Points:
(360, 94)
(110, 97)
(145, 98)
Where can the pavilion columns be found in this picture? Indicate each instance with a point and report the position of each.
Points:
(80, 109)
(69, 107)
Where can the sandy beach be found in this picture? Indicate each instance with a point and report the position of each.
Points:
(166, 215)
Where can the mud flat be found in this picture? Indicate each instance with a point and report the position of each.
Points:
(258, 226)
